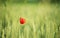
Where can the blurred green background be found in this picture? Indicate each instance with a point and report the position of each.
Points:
(42, 18)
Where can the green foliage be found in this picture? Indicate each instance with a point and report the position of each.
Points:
(42, 21)
(4, 23)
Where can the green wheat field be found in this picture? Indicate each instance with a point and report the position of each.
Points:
(42, 20)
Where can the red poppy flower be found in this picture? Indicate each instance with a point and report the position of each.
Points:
(22, 20)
